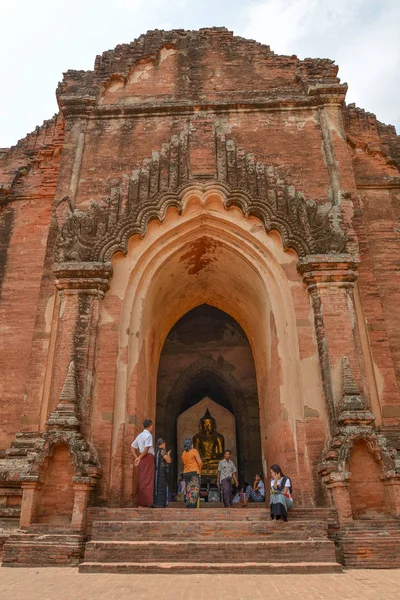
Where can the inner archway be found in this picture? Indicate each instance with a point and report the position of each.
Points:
(207, 355)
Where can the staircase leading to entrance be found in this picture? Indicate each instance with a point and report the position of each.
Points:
(212, 540)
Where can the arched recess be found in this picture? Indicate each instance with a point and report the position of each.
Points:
(360, 459)
(209, 254)
(57, 493)
(366, 487)
(207, 355)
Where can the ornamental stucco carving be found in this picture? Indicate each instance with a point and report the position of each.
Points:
(163, 180)
(62, 428)
(355, 422)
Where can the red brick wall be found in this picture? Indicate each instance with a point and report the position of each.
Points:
(381, 253)
(25, 225)
(367, 492)
(375, 152)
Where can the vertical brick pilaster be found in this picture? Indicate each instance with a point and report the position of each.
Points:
(341, 499)
(392, 492)
(30, 502)
(330, 281)
(81, 500)
(82, 287)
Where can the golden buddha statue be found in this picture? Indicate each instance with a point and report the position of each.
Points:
(210, 444)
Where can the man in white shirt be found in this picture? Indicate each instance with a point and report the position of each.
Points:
(143, 451)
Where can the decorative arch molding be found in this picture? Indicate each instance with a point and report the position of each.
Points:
(165, 180)
(140, 276)
(259, 258)
(355, 423)
(84, 457)
(336, 466)
(63, 428)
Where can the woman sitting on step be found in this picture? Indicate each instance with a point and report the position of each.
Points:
(281, 494)
(257, 492)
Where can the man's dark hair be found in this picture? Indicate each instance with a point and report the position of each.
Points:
(227, 450)
(147, 423)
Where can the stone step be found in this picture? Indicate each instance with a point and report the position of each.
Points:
(10, 491)
(371, 527)
(370, 553)
(384, 534)
(207, 551)
(194, 530)
(22, 435)
(281, 568)
(9, 524)
(29, 549)
(10, 512)
(7, 528)
(204, 514)
(24, 441)
(14, 451)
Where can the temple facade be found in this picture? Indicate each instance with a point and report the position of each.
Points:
(204, 221)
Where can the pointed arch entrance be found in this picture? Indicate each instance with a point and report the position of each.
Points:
(207, 355)
(208, 254)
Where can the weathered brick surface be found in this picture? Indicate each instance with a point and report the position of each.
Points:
(368, 544)
(198, 530)
(43, 549)
(260, 551)
(29, 174)
(254, 512)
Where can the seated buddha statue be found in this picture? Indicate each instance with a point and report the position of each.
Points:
(210, 444)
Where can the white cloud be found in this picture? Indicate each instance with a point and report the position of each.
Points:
(362, 36)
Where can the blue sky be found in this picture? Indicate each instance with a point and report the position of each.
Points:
(41, 39)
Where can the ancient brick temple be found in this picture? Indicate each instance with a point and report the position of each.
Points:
(203, 219)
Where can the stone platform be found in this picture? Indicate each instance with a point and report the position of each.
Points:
(237, 540)
(373, 544)
(177, 540)
(7, 528)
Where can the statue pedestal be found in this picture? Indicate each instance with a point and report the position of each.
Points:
(209, 491)
(208, 488)
(209, 470)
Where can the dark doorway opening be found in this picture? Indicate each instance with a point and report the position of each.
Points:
(207, 355)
